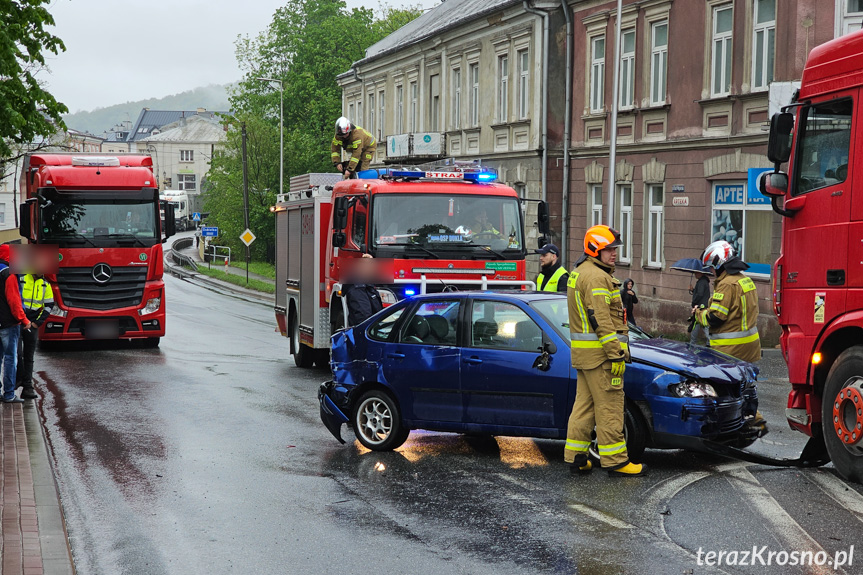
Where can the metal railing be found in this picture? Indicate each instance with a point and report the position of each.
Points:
(182, 259)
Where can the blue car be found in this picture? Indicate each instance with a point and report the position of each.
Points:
(498, 363)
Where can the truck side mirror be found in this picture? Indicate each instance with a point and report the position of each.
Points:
(170, 220)
(773, 184)
(340, 213)
(779, 143)
(26, 217)
(339, 239)
(542, 219)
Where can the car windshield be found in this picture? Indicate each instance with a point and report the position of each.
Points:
(441, 221)
(556, 312)
(105, 224)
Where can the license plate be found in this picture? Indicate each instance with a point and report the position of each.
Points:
(102, 329)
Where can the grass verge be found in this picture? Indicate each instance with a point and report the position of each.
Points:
(259, 268)
(254, 284)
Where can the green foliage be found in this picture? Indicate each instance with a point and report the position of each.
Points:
(254, 284)
(259, 268)
(306, 46)
(27, 111)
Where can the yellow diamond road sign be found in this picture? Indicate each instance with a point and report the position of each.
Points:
(248, 237)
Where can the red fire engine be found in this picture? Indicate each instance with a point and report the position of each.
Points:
(818, 278)
(102, 213)
(451, 228)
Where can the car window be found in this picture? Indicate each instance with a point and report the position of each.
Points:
(433, 323)
(502, 325)
(381, 329)
(556, 311)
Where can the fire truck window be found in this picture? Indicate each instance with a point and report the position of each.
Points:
(823, 146)
(358, 231)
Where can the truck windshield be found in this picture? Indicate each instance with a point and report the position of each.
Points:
(441, 222)
(118, 223)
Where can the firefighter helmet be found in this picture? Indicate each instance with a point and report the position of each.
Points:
(600, 237)
(716, 254)
(343, 127)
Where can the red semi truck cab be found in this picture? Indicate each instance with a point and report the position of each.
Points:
(102, 213)
(450, 229)
(818, 278)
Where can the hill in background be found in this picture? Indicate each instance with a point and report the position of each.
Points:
(212, 97)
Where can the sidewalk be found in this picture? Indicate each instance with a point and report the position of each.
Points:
(192, 252)
(32, 531)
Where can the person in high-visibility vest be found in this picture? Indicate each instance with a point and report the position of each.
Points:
(552, 275)
(38, 299)
(599, 351)
(358, 143)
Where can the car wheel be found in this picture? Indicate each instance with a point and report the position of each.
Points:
(304, 356)
(377, 422)
(634, 433)
(842, 414)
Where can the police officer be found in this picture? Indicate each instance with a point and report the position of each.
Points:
(552, 276)
(357, 143)
(597, 325)
(37, 298)
(361, 296)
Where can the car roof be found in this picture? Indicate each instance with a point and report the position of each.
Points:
(525, 296)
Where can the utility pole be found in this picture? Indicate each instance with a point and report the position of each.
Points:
(246, 200)
(615, 90)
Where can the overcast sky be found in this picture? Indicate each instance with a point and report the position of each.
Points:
(122, 50)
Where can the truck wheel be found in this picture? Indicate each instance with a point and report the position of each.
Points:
(151, 342)
(304, 356)
(842, 414)
(377, 422)
(322, 358)
(634, 433)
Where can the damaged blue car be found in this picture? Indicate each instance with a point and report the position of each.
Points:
(498, 363)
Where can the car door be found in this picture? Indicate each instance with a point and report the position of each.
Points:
(423, 362)
(500, 385)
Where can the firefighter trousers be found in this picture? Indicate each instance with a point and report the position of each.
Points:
(598, 403)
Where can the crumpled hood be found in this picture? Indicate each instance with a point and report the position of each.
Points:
(694, 361)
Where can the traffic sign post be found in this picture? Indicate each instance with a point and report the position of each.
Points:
(209, 232)
(196, 217)
(247, 237)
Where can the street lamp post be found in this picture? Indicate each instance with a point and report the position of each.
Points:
(281, 130)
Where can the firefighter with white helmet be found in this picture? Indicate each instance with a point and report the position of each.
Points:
(600, 350)
(357, 143)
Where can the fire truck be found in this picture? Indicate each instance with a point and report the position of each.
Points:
(102, 214)
(429, 231)
(818, 278)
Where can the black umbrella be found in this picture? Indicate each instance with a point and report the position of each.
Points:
(690, 265)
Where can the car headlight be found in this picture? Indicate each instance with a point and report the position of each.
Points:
(691, 388)
(56, 311)
(151, 307)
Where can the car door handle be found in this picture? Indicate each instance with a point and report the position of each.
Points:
(396, 355)
(473, 360)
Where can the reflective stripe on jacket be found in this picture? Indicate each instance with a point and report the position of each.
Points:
(553, 282)
(359, 145)
(735, 304)
(35, 292)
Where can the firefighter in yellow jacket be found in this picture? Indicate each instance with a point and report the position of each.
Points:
(357, 143)
(599, 338)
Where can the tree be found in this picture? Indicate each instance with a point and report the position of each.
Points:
(27, 110)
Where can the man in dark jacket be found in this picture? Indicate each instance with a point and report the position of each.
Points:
(552, 276)
(361, 295)
(700, 300)
(12, 317)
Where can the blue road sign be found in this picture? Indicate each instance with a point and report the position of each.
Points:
(209, 232)
(196, 217)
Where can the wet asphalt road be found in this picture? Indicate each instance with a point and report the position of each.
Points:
(208, 456)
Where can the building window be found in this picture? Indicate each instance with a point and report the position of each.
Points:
(523, 83)
(381, 116)
(655, 224)
(627, 69)
(624, 222)
(849, 16)
(764, 43)
(658, 62)
(187, 155)
(351, 116)
(474, 95)
(360, 118)
(400, 109)
(2, 213)
(503, 89)
(414, 108)
(597, 73)
(372, 123)
(744, 219)
(434, 102)
(596, 207)
(720, 66)
(456, 98)
(186, 182)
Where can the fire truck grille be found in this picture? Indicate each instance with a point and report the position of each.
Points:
(79, 288)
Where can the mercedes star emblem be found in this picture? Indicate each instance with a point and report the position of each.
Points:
(102, 273)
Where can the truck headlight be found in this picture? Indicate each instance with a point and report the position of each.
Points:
(56, 311)
(151, 307)
(691, 388)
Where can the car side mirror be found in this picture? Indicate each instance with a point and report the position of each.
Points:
(779, 142)
(542, 219)
(773, 184)
(548, 346)
(339, 239)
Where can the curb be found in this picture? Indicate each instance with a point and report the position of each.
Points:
(218, 285)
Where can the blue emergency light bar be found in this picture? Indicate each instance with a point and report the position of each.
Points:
(473, 176)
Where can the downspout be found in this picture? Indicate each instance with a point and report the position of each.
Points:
(567, 130)
(544, 16)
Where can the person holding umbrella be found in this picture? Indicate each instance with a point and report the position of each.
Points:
(700, 300)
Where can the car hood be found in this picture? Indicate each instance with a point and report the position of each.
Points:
(692, 360)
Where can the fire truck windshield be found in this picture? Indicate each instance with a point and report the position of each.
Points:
(440, 222)
(89, 222)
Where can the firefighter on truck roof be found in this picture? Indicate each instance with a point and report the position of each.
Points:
(600, 350)
(357, 143)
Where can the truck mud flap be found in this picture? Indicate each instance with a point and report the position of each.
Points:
(814, 454)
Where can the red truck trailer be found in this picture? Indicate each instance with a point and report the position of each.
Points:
(818, 278)
(446, 229)
(102, 213)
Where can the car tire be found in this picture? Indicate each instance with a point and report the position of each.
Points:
(846, 372)
(377, 422)
(634, 433)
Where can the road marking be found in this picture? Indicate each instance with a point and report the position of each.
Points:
(839, 491)
(784, 527)
(600, 516)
